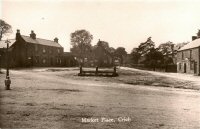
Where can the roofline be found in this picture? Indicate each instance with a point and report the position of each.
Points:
(46, 45)
(43, 44)
(40, 38)
(188, 48)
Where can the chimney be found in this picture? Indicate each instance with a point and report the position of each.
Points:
(18, 34)
(33, 35)
(194, 37)
(198, 34)
(56, 40)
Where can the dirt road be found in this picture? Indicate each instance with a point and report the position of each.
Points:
(46, 99)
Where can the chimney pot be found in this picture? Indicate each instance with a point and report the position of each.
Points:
(33, 35)
(18, 31)
(17, 34)
(198, 34)
(194, 37)
(56, 40)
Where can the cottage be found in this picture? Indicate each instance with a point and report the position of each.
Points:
(188, 57)
(32, 51)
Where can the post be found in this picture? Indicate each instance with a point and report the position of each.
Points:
(96, 73)
(7, 60)
(115, 71)
(81, 70)
(7, 81)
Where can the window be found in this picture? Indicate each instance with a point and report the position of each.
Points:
(179, 66)
(44, 61)
(58, 50)
(190, 54)
(44, 50)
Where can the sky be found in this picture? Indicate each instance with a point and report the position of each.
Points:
(122, 23)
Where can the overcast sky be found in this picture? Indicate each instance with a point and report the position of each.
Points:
(124, 23)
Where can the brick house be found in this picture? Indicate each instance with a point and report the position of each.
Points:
(29, 51)
(188, 57)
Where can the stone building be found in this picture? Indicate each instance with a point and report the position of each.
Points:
(29, 51)
(188, 57)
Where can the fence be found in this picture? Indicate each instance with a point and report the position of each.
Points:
(161, 68)
(97, 72)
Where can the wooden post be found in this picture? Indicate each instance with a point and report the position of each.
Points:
(81, 70)
(115, 71)
(96, 73)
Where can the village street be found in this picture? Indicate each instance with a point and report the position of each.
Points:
(58, 99)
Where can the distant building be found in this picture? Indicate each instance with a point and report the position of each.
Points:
(69, 59)
(29, 51)
(188, 57)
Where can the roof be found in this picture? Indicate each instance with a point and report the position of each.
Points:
(41, 41)
(193, 44)
(4, 45)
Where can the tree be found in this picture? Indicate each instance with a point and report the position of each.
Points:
(121, 53)
(81, 44)
(166, 48)
(135, 55)
(154, 59)
(145, 47)
(112, 50)
(168, 51)
(104, 44)
(4, 28)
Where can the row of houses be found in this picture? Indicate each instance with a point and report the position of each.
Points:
(26, 51)
(31, 51)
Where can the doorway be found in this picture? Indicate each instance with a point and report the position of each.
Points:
(185, 68)
(195, 67)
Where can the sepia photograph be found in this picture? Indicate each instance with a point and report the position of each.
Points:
(99, 64)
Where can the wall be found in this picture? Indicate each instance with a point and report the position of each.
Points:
(28, 54)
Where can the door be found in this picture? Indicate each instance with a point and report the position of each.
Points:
(185, 68)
